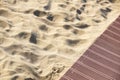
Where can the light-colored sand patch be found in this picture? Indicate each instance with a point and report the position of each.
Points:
(41, 39)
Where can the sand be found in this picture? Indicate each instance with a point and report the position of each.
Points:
(41, 39)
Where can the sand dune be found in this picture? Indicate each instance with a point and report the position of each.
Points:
(41, 39)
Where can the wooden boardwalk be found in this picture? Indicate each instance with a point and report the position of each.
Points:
(102, 60)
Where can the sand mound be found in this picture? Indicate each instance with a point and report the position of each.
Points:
(41, 39)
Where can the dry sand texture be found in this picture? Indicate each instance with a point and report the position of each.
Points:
(41, 39)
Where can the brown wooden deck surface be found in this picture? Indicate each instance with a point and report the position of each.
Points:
(102, 60)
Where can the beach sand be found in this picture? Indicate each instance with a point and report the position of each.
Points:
(41, 39)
